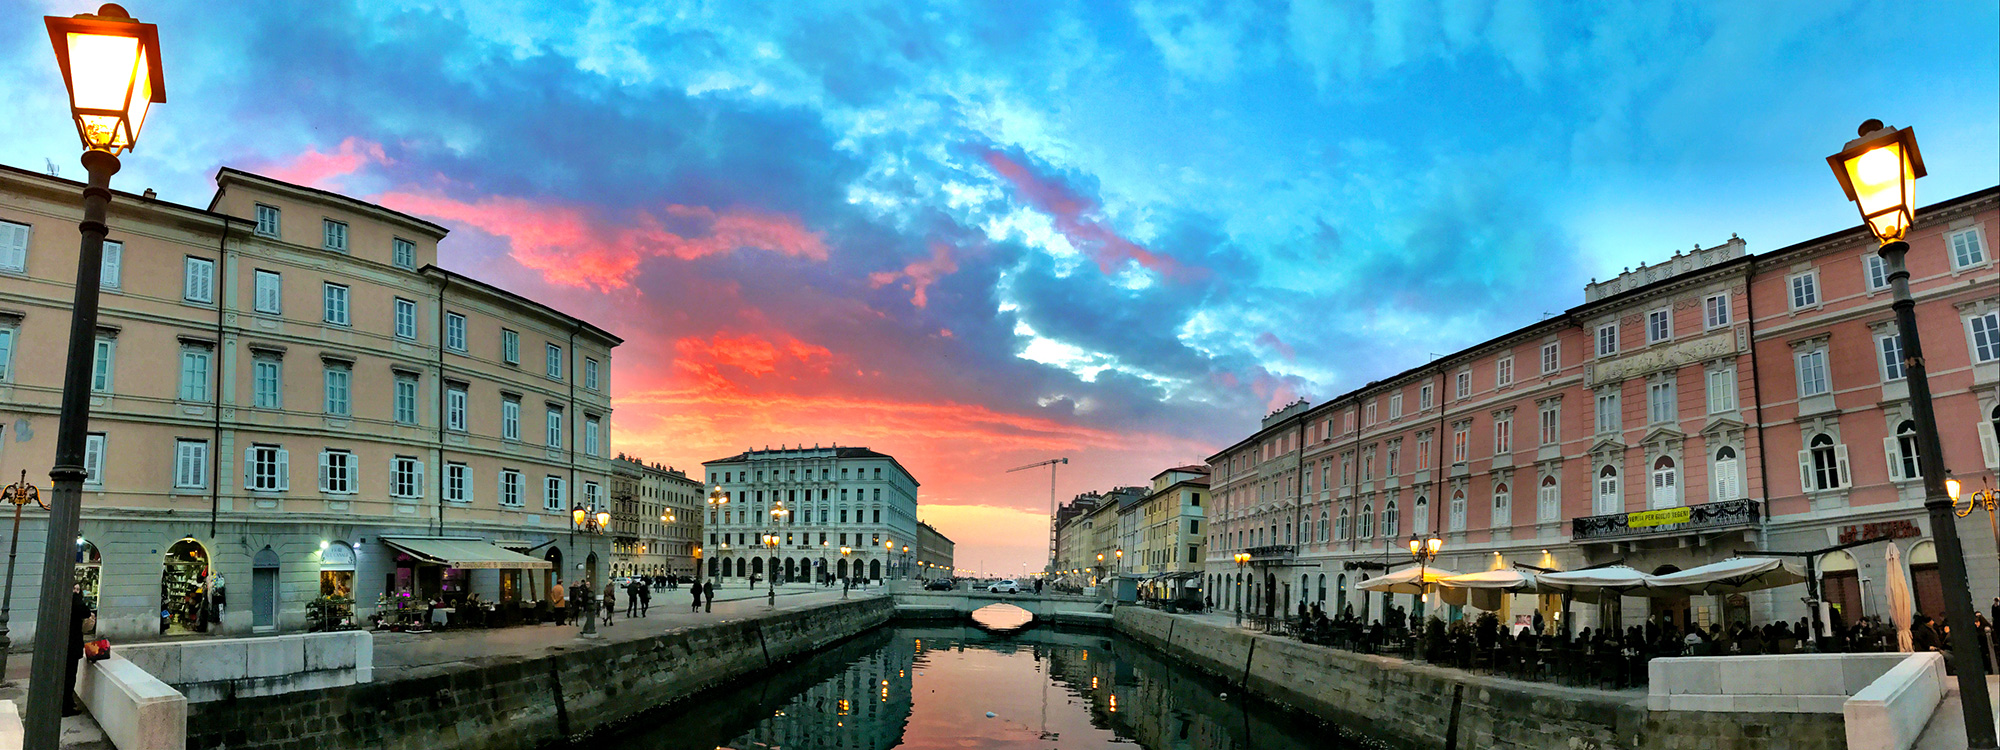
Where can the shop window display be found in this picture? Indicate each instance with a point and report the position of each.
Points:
(334, 609)
(89, 566)
(186, 604)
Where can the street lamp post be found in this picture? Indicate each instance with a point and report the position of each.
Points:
(778, 514)
(1986, 498)
(582, 519)
(845, 552)
(1242, 559)
(19, 495)
(1425, 551)
(1878, 170)
(111, 66)
(716, 499)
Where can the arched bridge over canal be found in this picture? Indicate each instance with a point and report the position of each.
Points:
(959, 605)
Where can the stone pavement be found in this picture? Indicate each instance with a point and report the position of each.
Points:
(1946, 730)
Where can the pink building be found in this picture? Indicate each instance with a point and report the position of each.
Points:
(1716, 402)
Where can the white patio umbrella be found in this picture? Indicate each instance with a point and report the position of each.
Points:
(1405, 581)
(1485, 589)
(1899, 598)
(1735, 575)
(1591, 584)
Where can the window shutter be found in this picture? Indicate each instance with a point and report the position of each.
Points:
(323, 471)
(284, 469)
(1989, 445)
(467, 473)
(1805, 471)
(113, 254)
(1895, 461)
(419, 465)
(1840, 459)
(13, 246)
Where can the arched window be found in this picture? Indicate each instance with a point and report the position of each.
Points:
(1503, 507)
(1340, 526)
(1666, 483)
(1823, 465)
(1368, 521)
(1608, 500)
(1458, 510)
(1548, 499)
(1989, 438)
(1391, 523)
(1420, 520)
(1322, 526)
(1728, 483)
(1903, 462)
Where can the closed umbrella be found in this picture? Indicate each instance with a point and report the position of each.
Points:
(1736, 575)
(1899, 599)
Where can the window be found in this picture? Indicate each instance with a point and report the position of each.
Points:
(1891, 349)
(1458, 510)
(1989, 438)
(1503, 372)
(510, 488)
(1660, 401)
(335, 235)
(1424, 449)
(1420, 520)
(1728, 482)
(552, 493)
(1367, 524)
(1391, 521)
(1823, 465)
(454, 332)
(1722, 390)
(1716, 311)
(1464, 384)
(190, 464)
(336, 472)
(1666, 485)
(592, 495)
(454, 407)
(1805, 290)
(1339, 526)
(1395, 458)
(109, 268)
(1608, 500)
(1551, 357)
(195, 360)
(1548, 500)
(591, 427)
(1503, 507)
(93, 459)
(339, 390)
(1608, 418)
(406, 319)
(457, 482)
(1876, 270)
(555, 427)
(267, 220)
(1902, 450)
(406, 477)
(13, 247)
(406, 398)
(1659, 326)
(1985, 330)
(267, 468)
(1551, 425)
(1396, 406)
(1965, 249)
(1503, 436)
(1607, 340)
(270, 295)
(336, 304)
(590, 374)
(6, 352)
(510, 417)
(510, 347)
(103, 364)
(403, 253)
(1461, 438)
(198, 280)
(1423, 398)
(1812, 373)
(554, 361)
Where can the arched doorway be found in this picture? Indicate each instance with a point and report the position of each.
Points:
(842, 569)
(553, 577)
(1669, 611)
(874, 570)
(89, 572)
(713, 568)
(1925, 581)
(791, 569)
(184, 582)
(1340, 594)
(264, 589)
(757, 566)
(1840, 586)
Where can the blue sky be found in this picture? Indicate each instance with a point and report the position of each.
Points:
(979, 234)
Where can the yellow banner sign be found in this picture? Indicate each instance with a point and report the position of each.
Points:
(1647, 518)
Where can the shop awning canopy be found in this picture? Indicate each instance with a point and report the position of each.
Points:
(1405, 581)
(1590, 583)
(465, 554)
(1732, 576)
(1484, 589)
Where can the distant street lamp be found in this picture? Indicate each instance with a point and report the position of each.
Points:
(111, 66)
(1425, 551)
(19, 495)
(1878, 170)
(845, 552)
(581, 519)
(1986, 498)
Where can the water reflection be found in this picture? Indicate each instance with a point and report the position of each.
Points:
(934, 687)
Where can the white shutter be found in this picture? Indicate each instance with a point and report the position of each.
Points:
(113, 257)
(249, 461)
(323, 473)
(13, 246)
(1989, 445)
(466, 472)
(1805, 471)
(1895, 461)
(284, 469)
(419, 466)
(1840, 460)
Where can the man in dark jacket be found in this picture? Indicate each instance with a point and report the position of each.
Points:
(79, 610)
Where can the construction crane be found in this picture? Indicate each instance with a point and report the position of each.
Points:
(1051, 463)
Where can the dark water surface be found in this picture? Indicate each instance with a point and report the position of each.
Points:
(931, 687)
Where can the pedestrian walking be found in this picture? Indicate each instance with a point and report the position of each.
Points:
(632, 598)
(696, 588)
(559, 602)
(708, 594)
(610, 601)
(645, 599)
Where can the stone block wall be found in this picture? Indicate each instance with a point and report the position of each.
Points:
(527, 703)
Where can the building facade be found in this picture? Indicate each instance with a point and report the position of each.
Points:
(934, 553)
(815, 501)
(655, 519)
(1166, 554)
(1717, 402)
(1074, 543)
(291, 402)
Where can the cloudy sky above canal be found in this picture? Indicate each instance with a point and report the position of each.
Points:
(976, 235)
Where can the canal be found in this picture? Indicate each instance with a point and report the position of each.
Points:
(949, 686)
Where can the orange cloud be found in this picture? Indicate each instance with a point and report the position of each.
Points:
(753, 355)
(570, 245)
(317, 168)
(921, 274)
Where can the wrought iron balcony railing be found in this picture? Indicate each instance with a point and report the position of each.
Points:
(1692, 518)
(1270, 552)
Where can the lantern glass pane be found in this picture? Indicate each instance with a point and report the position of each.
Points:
(142, 96)
(1884, 185)
(100, 70)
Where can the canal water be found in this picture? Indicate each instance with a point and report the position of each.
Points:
(964, 687)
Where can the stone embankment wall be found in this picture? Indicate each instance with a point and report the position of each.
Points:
(532, 702)
(1422, 706)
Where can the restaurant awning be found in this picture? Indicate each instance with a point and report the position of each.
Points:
(1732, 576)
(463, 553)
(1589, 584)
(1405, 581)
(1484, 589)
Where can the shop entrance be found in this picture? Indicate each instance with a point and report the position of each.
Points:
(184, 600)
(334, 609)
(1840, 586)
(553, 577)
(1925, 580)
(89, 568)
(264, 589)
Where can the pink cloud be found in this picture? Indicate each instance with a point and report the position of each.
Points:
(317, 168)
(1283, 349)
(571, 245)
(1080, 219)
(921, 274)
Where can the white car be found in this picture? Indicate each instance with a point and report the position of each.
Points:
(1008, 586)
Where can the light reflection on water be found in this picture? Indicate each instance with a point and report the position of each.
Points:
(933, 687)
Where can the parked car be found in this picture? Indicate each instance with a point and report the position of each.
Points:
(1005, 586)
(940, 584)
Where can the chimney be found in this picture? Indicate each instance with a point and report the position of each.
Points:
(149, 194)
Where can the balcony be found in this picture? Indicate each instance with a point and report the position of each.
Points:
(1693, 519)
(1271, 552)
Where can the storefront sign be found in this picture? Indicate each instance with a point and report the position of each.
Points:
(1891, 529)
(1648, 518)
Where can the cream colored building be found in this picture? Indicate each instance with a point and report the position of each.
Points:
(1168, 550)
(832, 497)
(655, 519)
(292, 397)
